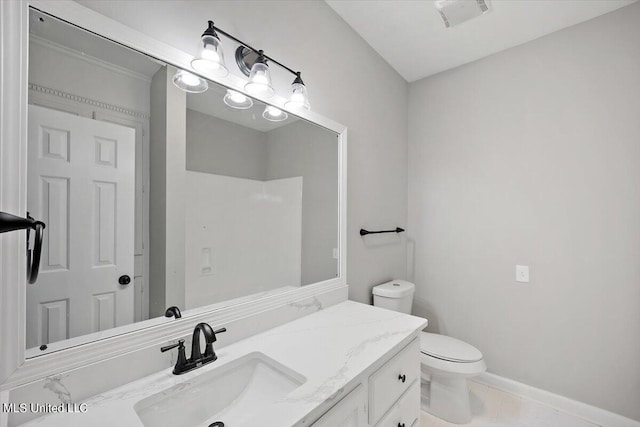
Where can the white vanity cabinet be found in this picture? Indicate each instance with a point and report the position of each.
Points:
(406, 412)
(366, 378)
(351, 411)
(392, 381)
(392, 400)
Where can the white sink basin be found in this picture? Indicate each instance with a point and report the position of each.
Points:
(229, 394)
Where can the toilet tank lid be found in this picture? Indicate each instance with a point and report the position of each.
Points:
(394, 289)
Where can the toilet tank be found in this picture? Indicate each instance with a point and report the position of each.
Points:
(396, 295)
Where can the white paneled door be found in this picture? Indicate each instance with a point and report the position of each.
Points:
(80, 182)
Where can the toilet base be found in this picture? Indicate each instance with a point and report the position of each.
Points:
(446, 398)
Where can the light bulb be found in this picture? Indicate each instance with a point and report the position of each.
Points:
(260, 79)
(237, 100)
(237, 97)
(274, 114)
(189, 82)
(189, 79)
(211, 55)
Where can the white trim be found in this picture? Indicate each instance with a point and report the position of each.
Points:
(13, 176)
(582, 410)
(342, 204)
(14, 369)
(88, 101)
(48, 44)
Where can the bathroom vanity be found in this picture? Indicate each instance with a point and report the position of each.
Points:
(350, 364)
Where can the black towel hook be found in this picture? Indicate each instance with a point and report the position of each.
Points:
(10, 222)
(364, 232)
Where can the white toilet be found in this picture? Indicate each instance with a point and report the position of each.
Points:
(446, 362)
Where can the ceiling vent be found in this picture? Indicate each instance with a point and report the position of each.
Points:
(454, 12)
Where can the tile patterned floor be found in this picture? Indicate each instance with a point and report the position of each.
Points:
(496, 408)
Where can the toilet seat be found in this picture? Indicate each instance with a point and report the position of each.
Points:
(448, 348)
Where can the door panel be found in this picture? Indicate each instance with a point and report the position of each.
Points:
(81, 175)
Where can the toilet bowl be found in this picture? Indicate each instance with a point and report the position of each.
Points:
(445, 362)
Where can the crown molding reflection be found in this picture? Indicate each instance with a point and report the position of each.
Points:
(89, 101)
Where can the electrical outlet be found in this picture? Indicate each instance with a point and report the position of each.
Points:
(522, 273)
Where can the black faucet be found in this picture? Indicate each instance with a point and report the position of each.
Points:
(197, 359)
(173, 311)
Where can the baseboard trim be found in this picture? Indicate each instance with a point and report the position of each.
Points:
(590, 413)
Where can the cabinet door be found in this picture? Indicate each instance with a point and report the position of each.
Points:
(351, 411)
(392, 380)
(406, 412)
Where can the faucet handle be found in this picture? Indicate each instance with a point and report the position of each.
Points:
(219, 331)
(180, 343)
(208, 351)
(181, 361)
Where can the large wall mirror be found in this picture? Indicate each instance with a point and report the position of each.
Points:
(155, 196)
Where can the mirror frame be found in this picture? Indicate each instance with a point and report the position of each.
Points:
(15, 369)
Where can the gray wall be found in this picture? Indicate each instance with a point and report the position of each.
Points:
(531, 156)
(302, 149)
(347, 81)
(224, 148)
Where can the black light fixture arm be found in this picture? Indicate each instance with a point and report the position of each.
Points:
(258, 51)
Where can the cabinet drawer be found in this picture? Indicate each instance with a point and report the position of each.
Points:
(393, 379)
(407, 411)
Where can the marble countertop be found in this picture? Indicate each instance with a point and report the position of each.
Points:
(331, 348)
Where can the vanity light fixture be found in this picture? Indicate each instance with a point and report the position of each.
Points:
(274, 114)
(237, 100)
(298, 98)
(260, 78)
(253, 63)
(210, 57)
(189, 82)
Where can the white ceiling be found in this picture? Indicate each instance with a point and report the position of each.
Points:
(411, 37)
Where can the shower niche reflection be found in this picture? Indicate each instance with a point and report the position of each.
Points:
(198, 203)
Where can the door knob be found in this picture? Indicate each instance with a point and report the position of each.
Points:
(124, 280)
